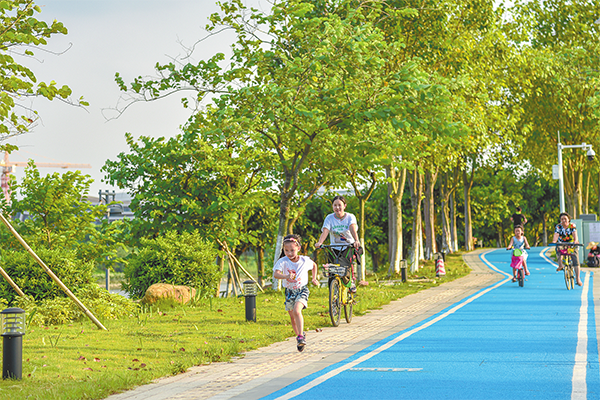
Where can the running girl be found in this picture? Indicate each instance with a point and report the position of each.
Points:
(293, 269)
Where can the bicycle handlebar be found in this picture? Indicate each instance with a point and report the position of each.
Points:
(329, 246)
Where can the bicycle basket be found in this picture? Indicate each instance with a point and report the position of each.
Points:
(337, 270)
(517, 252)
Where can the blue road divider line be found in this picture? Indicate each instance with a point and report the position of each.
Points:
(320, 377)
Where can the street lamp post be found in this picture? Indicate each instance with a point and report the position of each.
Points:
(590, 156)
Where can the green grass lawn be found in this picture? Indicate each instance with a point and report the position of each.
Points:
(78, 361)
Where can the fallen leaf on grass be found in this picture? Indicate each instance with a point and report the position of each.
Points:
(142, 365)
(81, 358)
(135, 360)
(96, 359)
(88, 369)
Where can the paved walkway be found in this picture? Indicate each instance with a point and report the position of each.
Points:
(263, 371)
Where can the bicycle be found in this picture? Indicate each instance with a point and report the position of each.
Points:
(567, 262)
(339, 274)
(517, 263)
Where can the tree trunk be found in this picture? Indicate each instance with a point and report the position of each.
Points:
(446, 190)
(362, 201)
(586, 203)
(396, 182)
(500, 232)
(453, 226)
(284, 211)
(430, 242)
(468, 183)
(416, 195)
(375, 260)
(221, 264)
(544, 227)
(260, 262)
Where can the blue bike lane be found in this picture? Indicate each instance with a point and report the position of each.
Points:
(503, 342)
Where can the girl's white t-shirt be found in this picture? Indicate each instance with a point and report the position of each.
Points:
(339, 229)
(300, 267)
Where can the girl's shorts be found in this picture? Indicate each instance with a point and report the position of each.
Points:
(292, 296)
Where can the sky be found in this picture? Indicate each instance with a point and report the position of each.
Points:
(105, 37)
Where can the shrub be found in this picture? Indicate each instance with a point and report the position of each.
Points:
(62, 310)
(176, 258)
(33, 280)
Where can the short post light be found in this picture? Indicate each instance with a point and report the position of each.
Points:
(403, 266)
(250, 300)
(12, 323)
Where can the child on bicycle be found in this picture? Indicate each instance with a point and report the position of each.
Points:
(342, 229)
(519, 241)
(566, 232)
(293, 270)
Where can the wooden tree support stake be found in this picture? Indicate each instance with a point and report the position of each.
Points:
(232, 257)
(50, 273)
(11, 282)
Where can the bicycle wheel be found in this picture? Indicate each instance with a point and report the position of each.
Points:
(348, 308)
(334, 301)
(568, 269)
(520, 277)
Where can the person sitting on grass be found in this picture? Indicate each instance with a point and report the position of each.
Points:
(293, 270)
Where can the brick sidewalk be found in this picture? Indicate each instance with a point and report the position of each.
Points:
(262, 371)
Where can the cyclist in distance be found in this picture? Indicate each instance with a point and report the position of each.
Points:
(566, 232)
(518, 219)
(342, 229)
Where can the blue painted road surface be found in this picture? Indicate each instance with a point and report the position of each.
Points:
(503, 342)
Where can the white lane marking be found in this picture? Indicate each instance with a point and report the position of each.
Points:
(382, 369)
(579, 370)
(543, 255)
(492, 266)
(323, 378)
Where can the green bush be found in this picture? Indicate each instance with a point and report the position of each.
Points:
(35, 282)
(176, 258)
(62, 310)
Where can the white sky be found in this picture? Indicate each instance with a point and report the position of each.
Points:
(109, 36)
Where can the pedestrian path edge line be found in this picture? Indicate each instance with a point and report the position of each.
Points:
(323, 378)
(579, 390)
(490, 265)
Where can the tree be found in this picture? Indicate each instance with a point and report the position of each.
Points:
(555, 84)
(20, 34)
(314, 74)
(189, 182)
(59, 214)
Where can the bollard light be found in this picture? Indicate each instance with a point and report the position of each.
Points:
(403, 267)
(12, 323)
(250, 299)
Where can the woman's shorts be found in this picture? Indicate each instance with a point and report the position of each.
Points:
(293, 296)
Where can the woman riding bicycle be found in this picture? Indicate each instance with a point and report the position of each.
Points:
(342, 229)
(566, 232)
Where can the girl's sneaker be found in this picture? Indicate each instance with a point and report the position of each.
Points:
(301, 342)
